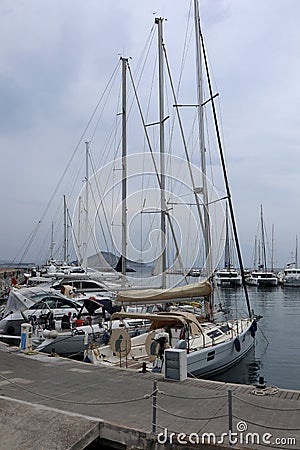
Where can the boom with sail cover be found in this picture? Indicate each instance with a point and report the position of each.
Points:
(144, 296)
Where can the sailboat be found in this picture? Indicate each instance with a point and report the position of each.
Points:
(228, 276)
(291, 273)
(262, 276)
(211, 346)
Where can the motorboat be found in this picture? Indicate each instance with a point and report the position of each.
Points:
(227, 277)
(262, 278)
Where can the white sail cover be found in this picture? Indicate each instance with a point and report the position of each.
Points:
(21, 299)
(142, 296)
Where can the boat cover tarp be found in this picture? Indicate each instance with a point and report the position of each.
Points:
(172, 319)
(21, 299)
(187, 292)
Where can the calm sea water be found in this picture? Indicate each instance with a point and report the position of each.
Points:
(276, 355)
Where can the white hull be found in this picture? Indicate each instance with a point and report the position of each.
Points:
(292, 282)
(225, 356)
(67, 342)
(228, 282)
(262, 279)
(291, 277)
(203, 359)
(64, 345)
(227, 278)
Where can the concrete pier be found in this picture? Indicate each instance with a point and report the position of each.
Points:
(50, 402)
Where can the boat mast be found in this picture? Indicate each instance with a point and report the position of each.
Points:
(296, 253)
(263, 243)
(207, 238)
(227, 262)
(124, 168)
(272, 253)
(86, 210)
(255, 253)
(199, 77)
(79, 230)
(52, 241)
(65, 246)
(159, 22)
(224, 169)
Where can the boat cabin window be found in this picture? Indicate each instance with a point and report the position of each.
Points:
(225, 328)
(54, 302)
(65, 303)
(44, 304)
(214, 334)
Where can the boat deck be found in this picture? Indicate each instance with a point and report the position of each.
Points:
(45, 396)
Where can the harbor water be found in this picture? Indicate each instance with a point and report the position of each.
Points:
(276, 355)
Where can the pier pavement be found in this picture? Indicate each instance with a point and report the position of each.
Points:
(57, 403)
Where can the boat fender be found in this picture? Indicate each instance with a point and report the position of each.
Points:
(50, 334)
(237, 344)
(87, 360)
(253, 328)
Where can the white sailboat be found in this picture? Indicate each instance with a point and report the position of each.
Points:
(228, 276)
(211, 347)
(291, 273)
(262, 276)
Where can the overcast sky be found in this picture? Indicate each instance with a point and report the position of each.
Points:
(56, 57)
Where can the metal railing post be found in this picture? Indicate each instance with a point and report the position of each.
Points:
(154, 402)
(229, 414)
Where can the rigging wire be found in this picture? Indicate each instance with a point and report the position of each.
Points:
(54, 193)
(153, 161)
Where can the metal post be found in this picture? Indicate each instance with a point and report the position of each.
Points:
(154, 401)
(229, 414)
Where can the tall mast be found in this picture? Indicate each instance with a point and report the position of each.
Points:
(199, 76)
(65, 233)
(86, 210)
(159, 22)
(124, 168)
(227, 262)
(52, 241)
(272, 252)
(296, 253)
(255, 253)
(263, 243)
(66, 242)
(79, 230)
(224, 169)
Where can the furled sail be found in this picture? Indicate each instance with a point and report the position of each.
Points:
(142, 296)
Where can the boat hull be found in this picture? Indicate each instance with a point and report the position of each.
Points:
(68, 342)
(230, 282)
(262, 281)
(64, 345)
(291, 278)
(217, 359)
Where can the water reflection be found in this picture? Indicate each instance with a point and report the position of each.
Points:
(276, 355)
(244, 372)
